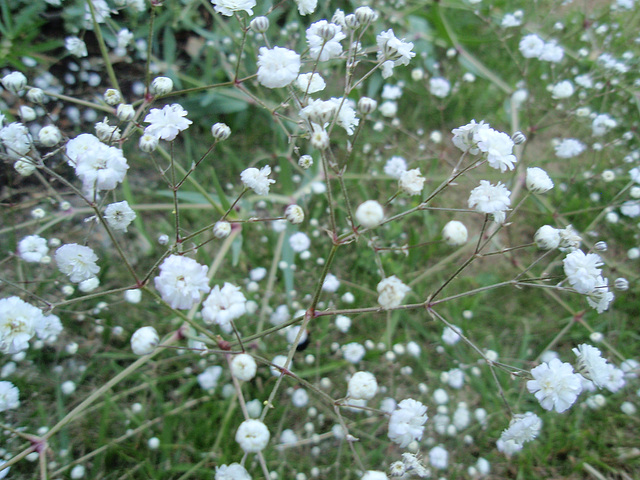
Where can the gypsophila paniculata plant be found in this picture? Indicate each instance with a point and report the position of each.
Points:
(316, 240)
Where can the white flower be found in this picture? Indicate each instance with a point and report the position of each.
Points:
(77, 146)
(346, 114)
(168, 122)
(512, 19)
(18, 320)
(602, 124)
(257, 180)
(181, 281)
(16, 139)
(369, 214)
(330, 283)
(569, 147)
(407, 422)
(389, 109)
(101, 167)
(490, 199)
(305, 7)
(119, 215)
(582, 270)
(48, 328)
(439, 87)
(9, 397)
(343, 323)
(353, 352)
(310, 83)
(439, 457)
(224, 305)
(277, 67)
(106, 132)
(323, 39)
(498, 148)
(547, 237)
(49, 136)
(600, 297)
(391, 292)
(235, 471)
(14, 82)
(538, 181)
(374, 475)
(294, 214)
(555, 385)
(32, 248)
(208, 379)
(455, 233)
(522, 428)
(227, 7)
(395, 167)
(243, 367)
(144, 340)
(362, 386)
(391, 48)
(252, 435)
(466, 137)
(411, 182)
(221, 229)
(531, 46)
(161, 86)
(569, 239)
(299, 242)
(551, 52)
(77, 261)
(563, 89)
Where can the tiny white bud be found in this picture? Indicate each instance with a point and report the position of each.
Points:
(259, 24)
(220, 131)
(49, 136)
(367, 105)
(601, 246)
(305, 161)
(621, 284)
(153, 443)
(455, 233)
(144, 340)
(125, 112)
(27, 114)
(14, 82)
(148, 143)
(547, 237)
(35, 95)
(365, 15)
(221, 229)
(538, 181)
(161, 86)
(369, 214)
(294, 214)
(112, 97)
(518, 138)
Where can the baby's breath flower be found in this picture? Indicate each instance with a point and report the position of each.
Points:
(75, 46)
(411, 182)
(243, 367)
(148, 143)
(391, 292)
(362, 386)
(119, 215)
(455, 233)
(32, 248)
(168, 122)
(144, 340)
(112, 97)
(221, 229)
(228, 7)
(277, 67)
(49, 136)
(125, 112)
(305, 161)
(369, 214)
(257, 180)
(259, 24)
(252, 435)
(14, 82)
(547, 237)
(538, 180)
(161, 86)
(220, 131)
(77, 261)
(294, 214)
(555, 385)
(181, 281)
(407, 422)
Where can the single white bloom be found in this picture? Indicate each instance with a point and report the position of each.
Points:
(77, 261)
(168, 122)
(257, 180)
(547, 237)
(299, 242)
(277, 67)
(563, 89)
(522, 428)
(395, 167)
(406, 423)
(439, 87)
(144, 340)
(600, 297)
(497, 147)
(362, 386)
(243, 367)
(602, 124)
(224, 305)
(455, 233)
(330, 283)
(439, 458)
(14, 82)
(9, 396)
(393, 49)
(49, 136)
(490, 199)
(161, 86)
(369, 214)
(411, 182)
(353, 352)
(235, 471)
(391, 292)
(181, 282)
(323, 40)
(16, 139)
(252, 435)
(75, 147)
(374, 475)
(538, 181)
(569, 147)
(101, 167)
(310, 83)
(221, 229)
(466, 137)
(208, 379)
(228, 7)
(18, 321)
(32, 248)
(305, 7)
(531, 46)
(294, 214)
(48, 328)
(119, 215)
(555, 385)
(582, 270)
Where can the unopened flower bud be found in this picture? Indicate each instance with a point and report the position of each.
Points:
(259, 24)
(125, 112)
(14, 82)
(221, 229)
(161, 86)
(106, 132)
(369, 214)
(27, 114)
(351, 21)
(518, 138)
(112, 97)
(621, 284)
(547, 237)
(601, 246)
(367, 105)
(365, 15)
(328, 31)
(455, 233)
(305, 161)
(294, 214)
(49, 136)
(24, 167)
(148, 143)
(144, 340)
(35, 95)
(220, 131)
